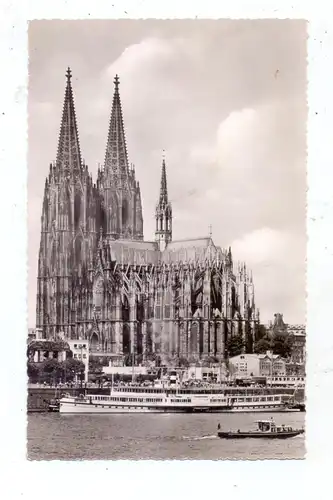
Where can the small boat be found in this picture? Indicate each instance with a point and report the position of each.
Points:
(296, 407)
(54, 405)
(266, 429)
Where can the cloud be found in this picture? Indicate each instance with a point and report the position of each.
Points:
(255, 170)
(277, 259)
(141, 58)
(236, 138)
(262, 246)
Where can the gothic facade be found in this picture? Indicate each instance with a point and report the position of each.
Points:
(99, 280)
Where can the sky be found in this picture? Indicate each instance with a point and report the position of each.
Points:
(225, 99)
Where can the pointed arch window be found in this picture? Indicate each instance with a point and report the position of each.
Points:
(94, 341)
(167, 307)
(53, 255)
(126, 339)
(77, 209)
(124, 212)
(194, 338)
(206, 311)
(158, 306)
(78, 250)
(98, 293)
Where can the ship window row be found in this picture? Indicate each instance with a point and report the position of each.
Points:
(129, 400)
(138, 389)
(180, 400)
(255, 407)
(217, 400)
(287, 379)
(159, 390)
(254, 399)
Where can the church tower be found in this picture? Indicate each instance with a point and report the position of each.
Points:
(67, 227)
(163, 214)
(120, 209)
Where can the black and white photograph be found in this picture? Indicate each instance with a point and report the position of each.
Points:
(166, 239)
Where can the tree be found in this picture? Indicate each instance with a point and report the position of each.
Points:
(49, 371)
(139, 359)
(70, 368)
(33, 372)
(95, 365)
(183, 362)
(209, 360)
(235, 345)
(282, 345)
(262, 332)
(262, 345)
(279, 344)
(129, 360)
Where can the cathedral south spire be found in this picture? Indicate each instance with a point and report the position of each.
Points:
(69, 154)
(118, 187)
(163, 214)
(116, 160)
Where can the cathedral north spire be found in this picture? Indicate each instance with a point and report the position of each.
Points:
(116, 160)
(69, 154)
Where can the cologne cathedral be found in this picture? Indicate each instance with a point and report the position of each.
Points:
(98, 279)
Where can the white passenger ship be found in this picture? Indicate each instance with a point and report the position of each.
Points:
(138, 399)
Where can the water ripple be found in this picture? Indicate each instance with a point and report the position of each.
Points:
(153, 436)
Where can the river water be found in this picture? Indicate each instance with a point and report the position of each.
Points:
(52, 436)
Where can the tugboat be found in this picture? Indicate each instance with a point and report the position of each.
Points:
(266, 429)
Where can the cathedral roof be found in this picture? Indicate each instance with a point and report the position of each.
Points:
(188, 250)
(134, 252)
(186, 243)
(147, 252)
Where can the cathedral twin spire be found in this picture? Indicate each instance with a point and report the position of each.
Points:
(116, 160)
(69, 154)
(127, 210)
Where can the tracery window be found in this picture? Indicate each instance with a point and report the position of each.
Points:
(124, 212)
(98, 293)
(194, 337)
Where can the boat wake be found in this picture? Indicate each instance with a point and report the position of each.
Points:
(299, 436)
(199, 438)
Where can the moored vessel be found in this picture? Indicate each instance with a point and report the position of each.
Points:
(173, 399)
